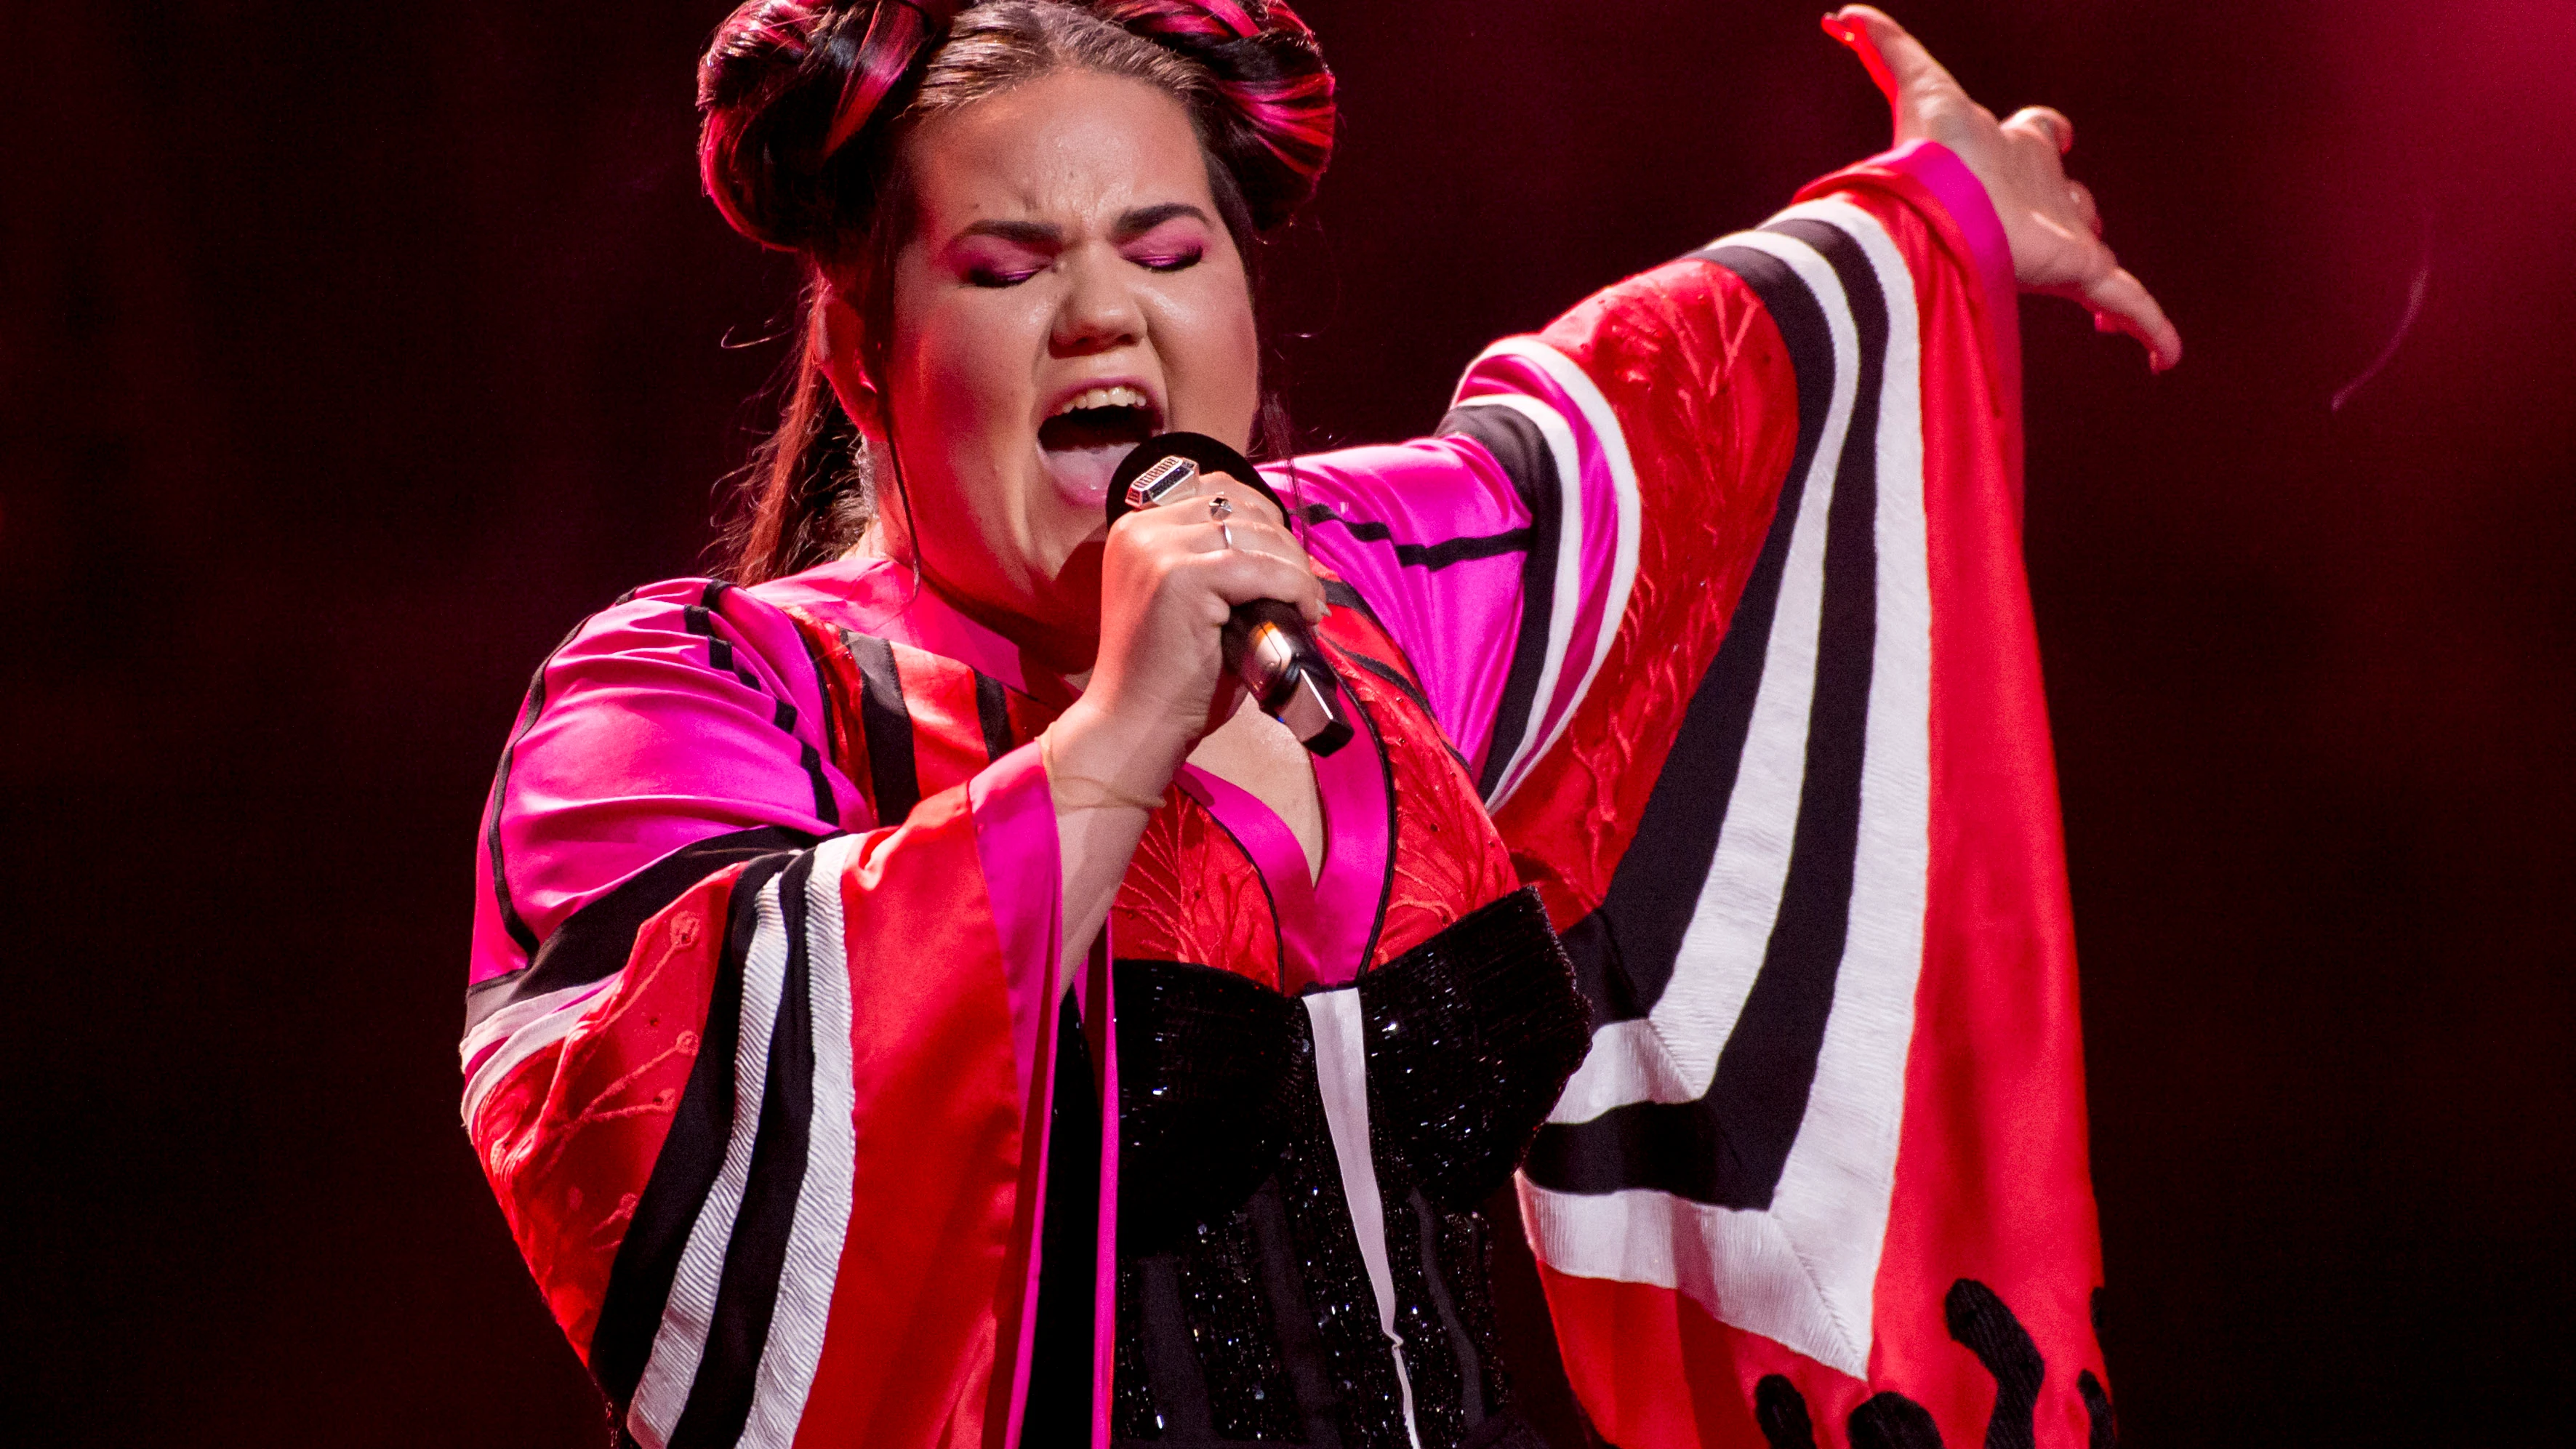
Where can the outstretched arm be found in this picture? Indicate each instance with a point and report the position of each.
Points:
(1501, 554)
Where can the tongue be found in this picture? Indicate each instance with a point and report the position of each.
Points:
(1082, 474)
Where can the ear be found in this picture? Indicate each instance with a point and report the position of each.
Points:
(836, 339)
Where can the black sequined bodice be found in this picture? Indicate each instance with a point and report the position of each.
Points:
(1252, 1306)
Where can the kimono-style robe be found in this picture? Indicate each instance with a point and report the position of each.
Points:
(1699, 623)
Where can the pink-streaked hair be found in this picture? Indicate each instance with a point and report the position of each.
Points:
(805, 105)
(1273, 120)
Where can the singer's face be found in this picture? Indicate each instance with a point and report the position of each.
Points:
(1069, 290)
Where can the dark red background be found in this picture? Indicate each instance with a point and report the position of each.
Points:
(351, 352)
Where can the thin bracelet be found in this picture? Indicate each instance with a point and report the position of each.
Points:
(1110, 794)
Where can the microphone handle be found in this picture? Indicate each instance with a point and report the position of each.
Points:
(1268, 648)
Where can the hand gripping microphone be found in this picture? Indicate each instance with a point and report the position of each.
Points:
(1266, 643)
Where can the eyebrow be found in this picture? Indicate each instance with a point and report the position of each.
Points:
(1036, 235)
(1044, 236)
(1145, 218)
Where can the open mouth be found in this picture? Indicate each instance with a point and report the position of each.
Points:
(1090, 434)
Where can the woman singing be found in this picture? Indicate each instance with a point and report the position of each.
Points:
(918, 998)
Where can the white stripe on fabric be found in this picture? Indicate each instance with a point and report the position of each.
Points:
(1740, 1265)
(681, 1341)
(1627, 1063)
(822, 1221)
(1341, 1078)
(1730, 928)
(1803, 1272)
(1568, 457)
(1628, 512)
(1836, 1188)
(519, 1031)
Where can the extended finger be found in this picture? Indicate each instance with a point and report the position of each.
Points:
(1908, 63)
(2048, 121)
(2121, 303)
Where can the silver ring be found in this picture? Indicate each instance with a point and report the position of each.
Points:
(1220, 508)
(1226, 532)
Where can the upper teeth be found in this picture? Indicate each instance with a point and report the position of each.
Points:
(1102, 397)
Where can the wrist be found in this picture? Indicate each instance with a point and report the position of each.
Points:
(1094, 761)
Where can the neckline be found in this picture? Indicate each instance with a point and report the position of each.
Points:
(1327, 922)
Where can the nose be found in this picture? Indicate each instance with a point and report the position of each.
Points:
(1099, 312)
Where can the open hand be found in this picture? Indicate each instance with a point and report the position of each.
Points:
(2049, 218)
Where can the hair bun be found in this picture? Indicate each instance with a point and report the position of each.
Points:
(787, 85)
(783, 88)
(1275, 93)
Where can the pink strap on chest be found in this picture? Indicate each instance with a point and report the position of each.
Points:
(1326, 921)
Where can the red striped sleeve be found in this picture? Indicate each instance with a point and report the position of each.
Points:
(568, 1135)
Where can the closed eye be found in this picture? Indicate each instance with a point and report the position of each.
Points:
(997, 253)
(1172, 237)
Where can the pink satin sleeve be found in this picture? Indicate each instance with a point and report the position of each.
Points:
(685, 712)
(1016, 842)
(1409, 499)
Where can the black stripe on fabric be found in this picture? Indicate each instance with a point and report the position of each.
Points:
(887, 723)
(1521, 450)
(639, 1282)
(1624, 951)
(700, 618)
(1430, 556)
(596, 941)
(755, 1257)
(827, 807)
(1729, 1147)
(993, 712)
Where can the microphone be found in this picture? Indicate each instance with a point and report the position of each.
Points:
(1266, 643)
